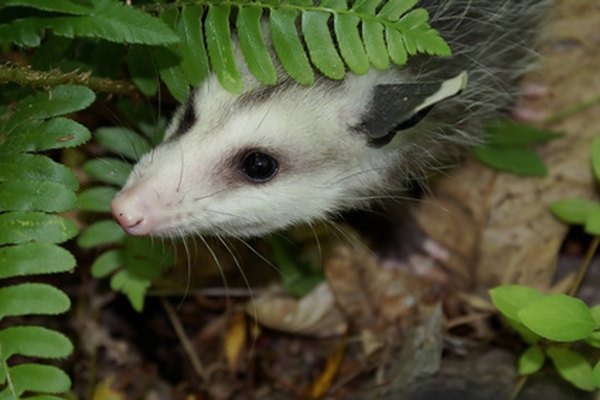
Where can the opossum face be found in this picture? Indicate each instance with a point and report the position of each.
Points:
(249, 164)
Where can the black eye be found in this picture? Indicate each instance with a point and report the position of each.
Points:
(259, 167)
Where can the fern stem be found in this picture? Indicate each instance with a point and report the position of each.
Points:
(29, 77)
(585, 265)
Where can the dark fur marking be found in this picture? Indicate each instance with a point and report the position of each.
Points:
(188, 119)
(409, 123)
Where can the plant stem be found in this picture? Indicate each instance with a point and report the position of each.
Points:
(518, 387)
(29, 77)
(583, 268)
(569, 111)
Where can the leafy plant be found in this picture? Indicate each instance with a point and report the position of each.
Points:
(34, 189)
(506, 148)
(547, 323)
(368, 33)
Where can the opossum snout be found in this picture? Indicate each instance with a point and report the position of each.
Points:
(131, 211)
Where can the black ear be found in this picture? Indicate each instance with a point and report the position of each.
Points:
(401, 106)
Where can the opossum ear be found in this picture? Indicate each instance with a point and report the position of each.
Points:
(401, 106)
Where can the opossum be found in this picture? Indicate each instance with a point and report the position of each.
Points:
(248, 164)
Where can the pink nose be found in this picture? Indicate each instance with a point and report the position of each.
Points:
(131, 213)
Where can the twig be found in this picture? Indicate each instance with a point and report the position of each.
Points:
(572, 110)
(185, 341)
(585, 265)
(29, 77)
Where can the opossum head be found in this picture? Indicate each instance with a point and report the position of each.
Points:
(244, 165)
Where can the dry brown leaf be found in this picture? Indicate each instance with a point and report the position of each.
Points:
(235, 341)
(315, 314)
(104, 391)
(323, 383)
(496, 226)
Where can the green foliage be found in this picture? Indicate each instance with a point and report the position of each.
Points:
(131, 263)
(198, 35)
(34, 188)
(550, 318)
(506, 148)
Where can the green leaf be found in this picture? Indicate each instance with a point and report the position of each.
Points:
(531, 360)
(142, 69)
(61, 6)
(558, 317)
(507, 132)
(37, 378)
(375, 44)
(60, 100)
(596, 375)
(509, 299)
(36, 196)
(430, 42)
(107, 263)
(526, 334)
(365, 6)
(593, 340)
(350, 43)
(574, 211)
(220, 48)
(289, 49)
(132, 285)
(516, 160)
(100, 233)
(56, 133)
(572, 367)
(108, 170)
(596, 315)
(194, 60)
(321, 48)
(592, 224)
(33, 341)
(393, 9)
(171, 72)
(29, 167)
(34, 258)
(253, 46)
(123, 141)
(97, 199)
(395, 46)
(32, 299)
(596, 157)
(23, 227)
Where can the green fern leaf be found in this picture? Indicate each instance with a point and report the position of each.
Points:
(61, 6)
(375, 44)
(350, 43)
(395, 46)
(142, 69)
(33, 341)
(107, 263)
(123, 141)
(253, 45)
(320, 45)
(108, 170)
(48, 379)
(100, 233)
(194, 60)
(96, 199)
(22, 227)
(220, 48)
(32, 299)
(288, 46)
(19, 167)
(56, 133)
(365, 6)
(393, 9)
(36, 196)
(25, 260)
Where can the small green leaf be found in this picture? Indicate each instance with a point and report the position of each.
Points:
(350, 43)
(107, 263)
(372, 32)
(558, 317)
(430, 42)
(101, 233)
(123, 141)
(596, 315)
(596, 375)
(592, 224)
(48, 379)
(509, 299)
(194, 60)
(33, 341)
(36, 196)
(23, 227)
(526, 334)
(60, 100)
(32, 299)
(56, 133)
(97, 199)
(142, 69)
(321, 48)
(34, 167)
(132, 285)
(395, 46)
(572, 367)
(365, 6)
(531, 360)
(596, 157)
(61, 6)
(289, 49)
(516, 160)
(220, 48)
(506, 132)
(413, 20)
(394, 9)
(593, 340)
(574, 211)
(253, 46)
(108, 170)
(34, 258)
